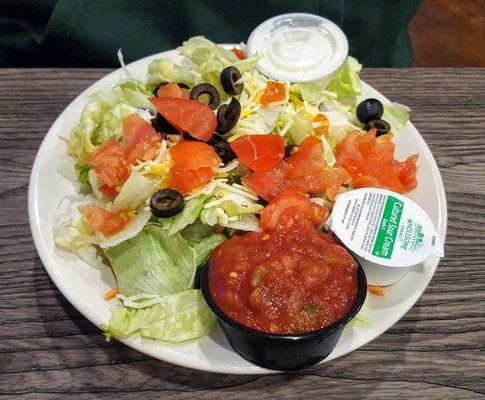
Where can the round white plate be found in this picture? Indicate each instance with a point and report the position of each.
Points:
(84, 286)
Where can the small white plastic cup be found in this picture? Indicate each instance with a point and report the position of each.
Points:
(298, 47)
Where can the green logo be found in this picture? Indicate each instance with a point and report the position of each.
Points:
(419, 236)
(386, 236)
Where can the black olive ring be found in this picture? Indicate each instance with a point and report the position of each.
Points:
(206, 88)
(227, 116)
(229, 77)
(166, 203)
(380, 125)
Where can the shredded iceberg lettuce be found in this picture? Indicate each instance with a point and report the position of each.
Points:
(187, 216)
(101, 117)
(396, 114)
(153, 263)
(164, 70)
(71, 233)
(210, 57)
(232, 207)
(173, 318)
(345, 82)
(134, 227)
(135, 191)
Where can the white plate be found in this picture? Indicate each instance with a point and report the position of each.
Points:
(84, 286)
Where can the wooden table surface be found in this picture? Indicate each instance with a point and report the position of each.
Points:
(48, 350)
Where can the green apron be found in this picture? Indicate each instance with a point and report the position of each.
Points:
(88, 33)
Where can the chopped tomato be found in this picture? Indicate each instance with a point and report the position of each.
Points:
(274, 92)
(185, 180)
(140, 141)
(172, 90)
(104, 221)
(110, 163)
(108, 191)
(370, 162)
(305, 170)
(194, 155)
(291, 205)
(135, 129)
(259, 152)
(322, 125)
(145, 150)
(239, 53)
(191, 116)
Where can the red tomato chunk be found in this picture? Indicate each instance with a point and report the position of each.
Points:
(191, 116)
(290, 280)
(305, 170)
(370, 162)
(259, 152)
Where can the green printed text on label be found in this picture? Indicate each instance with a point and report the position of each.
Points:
(388, 227)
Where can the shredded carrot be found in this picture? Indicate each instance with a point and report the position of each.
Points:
(111, 294)
(377, 290)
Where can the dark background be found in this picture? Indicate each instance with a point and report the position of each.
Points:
(87, 33)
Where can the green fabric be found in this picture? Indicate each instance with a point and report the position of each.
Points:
(89, 33)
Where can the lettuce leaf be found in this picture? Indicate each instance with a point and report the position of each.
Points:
(363, 316)
(175, 318)
(204, 246)
(72, 233)
(134, 192)
(396, 114)
(261, 122)
(153, 263)
(164, 70)
(187, 216)
(134, 227)
(301, 127)
(233, 208)
(210, 57)
(311, 91)
(345, 82)
(83, 174)
(101, 117)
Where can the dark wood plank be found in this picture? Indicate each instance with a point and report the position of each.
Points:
(48, 350)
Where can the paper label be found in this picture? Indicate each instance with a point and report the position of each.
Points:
(384, 227)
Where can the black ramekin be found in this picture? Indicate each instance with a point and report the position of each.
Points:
(283, 352)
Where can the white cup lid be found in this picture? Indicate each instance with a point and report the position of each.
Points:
(298, 47)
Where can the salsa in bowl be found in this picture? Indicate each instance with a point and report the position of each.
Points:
(284, 295)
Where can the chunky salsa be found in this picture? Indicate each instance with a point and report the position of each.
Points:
(287, 280)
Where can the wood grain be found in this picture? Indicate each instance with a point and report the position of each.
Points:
(49, 351)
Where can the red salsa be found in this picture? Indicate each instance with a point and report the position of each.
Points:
(288, 280)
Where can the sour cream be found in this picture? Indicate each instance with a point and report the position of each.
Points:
(386, 231)
(298, 47)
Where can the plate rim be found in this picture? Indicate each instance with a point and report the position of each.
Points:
(176, 358)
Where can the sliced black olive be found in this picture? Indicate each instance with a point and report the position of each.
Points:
(161, 125)
(229, 77)
(262, 201)
(289, 150)
(198, 275)
(382, 126)
(222, 149)
(227, 116)
(155, 89)
(166, 203)
(206, 88)
(188, 136)
(183, 86)
(369, 109)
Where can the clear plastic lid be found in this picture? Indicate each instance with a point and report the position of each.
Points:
(298, 47)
